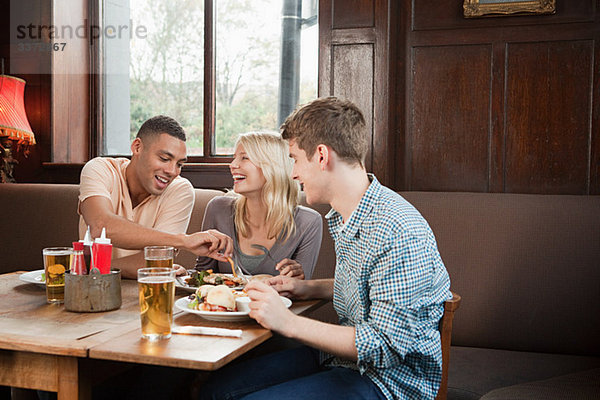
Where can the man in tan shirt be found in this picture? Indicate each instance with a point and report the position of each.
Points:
(144, 201)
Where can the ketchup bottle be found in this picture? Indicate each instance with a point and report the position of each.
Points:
(102, 253)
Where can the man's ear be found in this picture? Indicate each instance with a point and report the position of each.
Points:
(136, 146)
(322, 154)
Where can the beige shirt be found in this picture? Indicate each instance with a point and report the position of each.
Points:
(168, 212)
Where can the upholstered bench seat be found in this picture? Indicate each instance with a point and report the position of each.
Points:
(584, 385)
(477, 371)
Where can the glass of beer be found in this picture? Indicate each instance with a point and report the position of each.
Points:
(57, 260)
(159, 256)
(156, 288)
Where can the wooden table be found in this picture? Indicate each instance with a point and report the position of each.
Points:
(45, 347)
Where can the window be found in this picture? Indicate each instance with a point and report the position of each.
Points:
(219, 67)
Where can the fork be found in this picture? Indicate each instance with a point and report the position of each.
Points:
(238, 266)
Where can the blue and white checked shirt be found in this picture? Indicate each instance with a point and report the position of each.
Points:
(390, 284)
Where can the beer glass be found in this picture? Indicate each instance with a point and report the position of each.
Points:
(159, 256)
(57, 260)
(156, 288)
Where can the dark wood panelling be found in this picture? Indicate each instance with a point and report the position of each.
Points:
(450, 133)
(548, 101)
(595, 122)
(541, 92)
(354, 63)
(71, 91)
(384, 80)
(208, 176)
(496, 176)
(37, 106)
(27, 65)
(399, 104)
(448, 14)
(353, 80)
(459, 133)
(353, 13)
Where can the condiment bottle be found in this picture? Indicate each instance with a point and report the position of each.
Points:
(78, 261)
(87, 249)
(102, 253)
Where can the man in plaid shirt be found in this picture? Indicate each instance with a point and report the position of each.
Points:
(389, 287)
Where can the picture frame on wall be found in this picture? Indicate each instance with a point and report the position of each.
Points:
(494, 8)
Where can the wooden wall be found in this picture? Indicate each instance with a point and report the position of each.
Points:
(500, 104)
(50, 159)
(354, 63)
(37, 96)
(494, 104)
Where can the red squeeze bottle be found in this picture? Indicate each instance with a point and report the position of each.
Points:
(102, 253)
(78, 262)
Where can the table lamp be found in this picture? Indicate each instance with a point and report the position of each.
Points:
(14, 126)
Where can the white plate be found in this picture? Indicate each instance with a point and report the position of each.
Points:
(225, 316)
(184, 286)
(33, 277)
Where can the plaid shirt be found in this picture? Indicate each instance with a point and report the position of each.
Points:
(390, 284)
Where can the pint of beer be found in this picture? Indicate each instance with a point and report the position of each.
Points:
(159, 256)
(57, 260)
(156, 288)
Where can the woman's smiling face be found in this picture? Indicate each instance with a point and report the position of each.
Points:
(247, 177)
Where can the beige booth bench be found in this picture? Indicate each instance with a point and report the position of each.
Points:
(527, 268)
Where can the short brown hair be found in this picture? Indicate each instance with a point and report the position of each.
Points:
(336, 123)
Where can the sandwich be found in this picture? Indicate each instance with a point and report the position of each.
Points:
(213, 298)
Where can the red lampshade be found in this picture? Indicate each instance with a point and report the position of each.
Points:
(13, 120)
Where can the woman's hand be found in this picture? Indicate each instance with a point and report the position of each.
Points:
(295, 289)
(291, 268)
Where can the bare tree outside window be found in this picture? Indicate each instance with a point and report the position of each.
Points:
(166, 67)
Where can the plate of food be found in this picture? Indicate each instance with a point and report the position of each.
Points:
(219, 303)
(37, 277)
(195, 279)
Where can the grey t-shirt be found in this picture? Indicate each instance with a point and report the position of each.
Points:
(303, 246)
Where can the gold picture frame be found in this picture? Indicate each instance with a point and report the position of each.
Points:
(481, 8)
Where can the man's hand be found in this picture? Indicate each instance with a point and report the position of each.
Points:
(267, 308)
(211, 243)
(290, 268)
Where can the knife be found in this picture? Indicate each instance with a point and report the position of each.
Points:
(204, 330)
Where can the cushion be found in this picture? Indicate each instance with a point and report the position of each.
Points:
(476, 371)
(526, 267)
(583, 385)
(35, 216)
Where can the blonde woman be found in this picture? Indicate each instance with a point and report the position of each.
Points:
(271, 233)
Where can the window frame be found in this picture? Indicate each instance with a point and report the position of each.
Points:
(209, 91)
(97, 92)
(97, 133)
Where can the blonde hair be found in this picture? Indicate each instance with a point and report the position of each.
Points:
(280, 194)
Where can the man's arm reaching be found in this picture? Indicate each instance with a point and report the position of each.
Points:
(97, 213)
